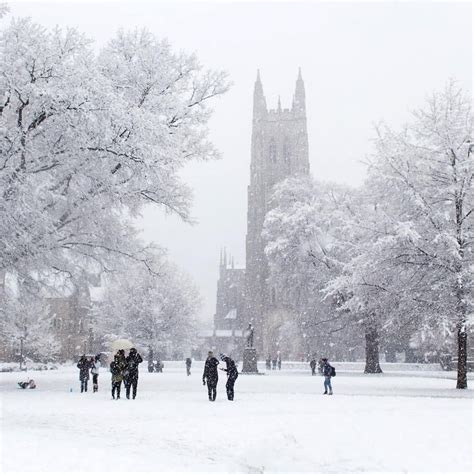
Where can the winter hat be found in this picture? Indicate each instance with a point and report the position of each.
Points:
(210, 354)
(222, 356)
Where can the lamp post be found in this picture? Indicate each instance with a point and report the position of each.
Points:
(21, 352)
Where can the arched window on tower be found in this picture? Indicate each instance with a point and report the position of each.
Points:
(273, 151)
(286, 152)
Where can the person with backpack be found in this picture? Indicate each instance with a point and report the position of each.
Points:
(83, 365)
(232, 374)
(117, 368)
(210, 376)
(328, 372)
(131, 372)
(95, 373)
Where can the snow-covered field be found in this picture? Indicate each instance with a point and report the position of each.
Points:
(398, 421)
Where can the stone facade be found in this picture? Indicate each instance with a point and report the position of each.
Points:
(279, 149)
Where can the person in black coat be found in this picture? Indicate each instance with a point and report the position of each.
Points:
(312, 364)
(131, 372)
(210, 375)
(83, 365)
(232, 374)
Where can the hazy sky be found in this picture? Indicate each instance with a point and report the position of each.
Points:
(361, 62)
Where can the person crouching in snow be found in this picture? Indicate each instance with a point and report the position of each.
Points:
(131, 372)
(30, 383)
(95, 373)
(232, 374)
(83, 365)
(328, 372)
(116, 368)
(210, 376)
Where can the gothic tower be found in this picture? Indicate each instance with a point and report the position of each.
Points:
(279, 149)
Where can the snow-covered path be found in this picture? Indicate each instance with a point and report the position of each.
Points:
(278, 422)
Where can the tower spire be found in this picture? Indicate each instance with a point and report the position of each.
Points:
(299, 99)
(259, 102)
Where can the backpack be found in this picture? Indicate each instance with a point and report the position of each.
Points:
(333, 371)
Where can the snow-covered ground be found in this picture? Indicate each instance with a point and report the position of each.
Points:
(399, 421)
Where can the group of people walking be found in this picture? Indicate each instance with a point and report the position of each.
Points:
(86, 367)
(210, 376)
(271, 363)
(123, 369)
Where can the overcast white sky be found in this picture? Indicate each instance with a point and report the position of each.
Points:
(361, 62)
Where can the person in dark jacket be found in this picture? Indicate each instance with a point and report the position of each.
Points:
(83, 365)
(312, 364)
(268, 362)
(131, 372)
(117, 368)
(232, 374)
(121, 356)
(188, 365)
(210, 375)
(327, 372)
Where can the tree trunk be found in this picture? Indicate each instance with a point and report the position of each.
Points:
(372, 363)
(461, 330)
(459, 286)
(462, 357)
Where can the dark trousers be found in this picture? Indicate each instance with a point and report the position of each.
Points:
(212, 391)
(95, 382)
(116, 389)
(229, 386)
(84, 385)
(133, 384)
(313, 370)
(188, 370)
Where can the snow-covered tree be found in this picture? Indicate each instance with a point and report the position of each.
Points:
(25, 319)
(155, 311)
(87, 140)
(423, 178)
(308, 241)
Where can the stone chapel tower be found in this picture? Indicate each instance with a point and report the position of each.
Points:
(279, 149)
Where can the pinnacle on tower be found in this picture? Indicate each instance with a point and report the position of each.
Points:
(299, 99)
(259, 102)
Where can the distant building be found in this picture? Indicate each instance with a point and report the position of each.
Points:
(279, 150)
(70, 308)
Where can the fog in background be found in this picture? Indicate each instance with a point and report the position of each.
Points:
(361, 62)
